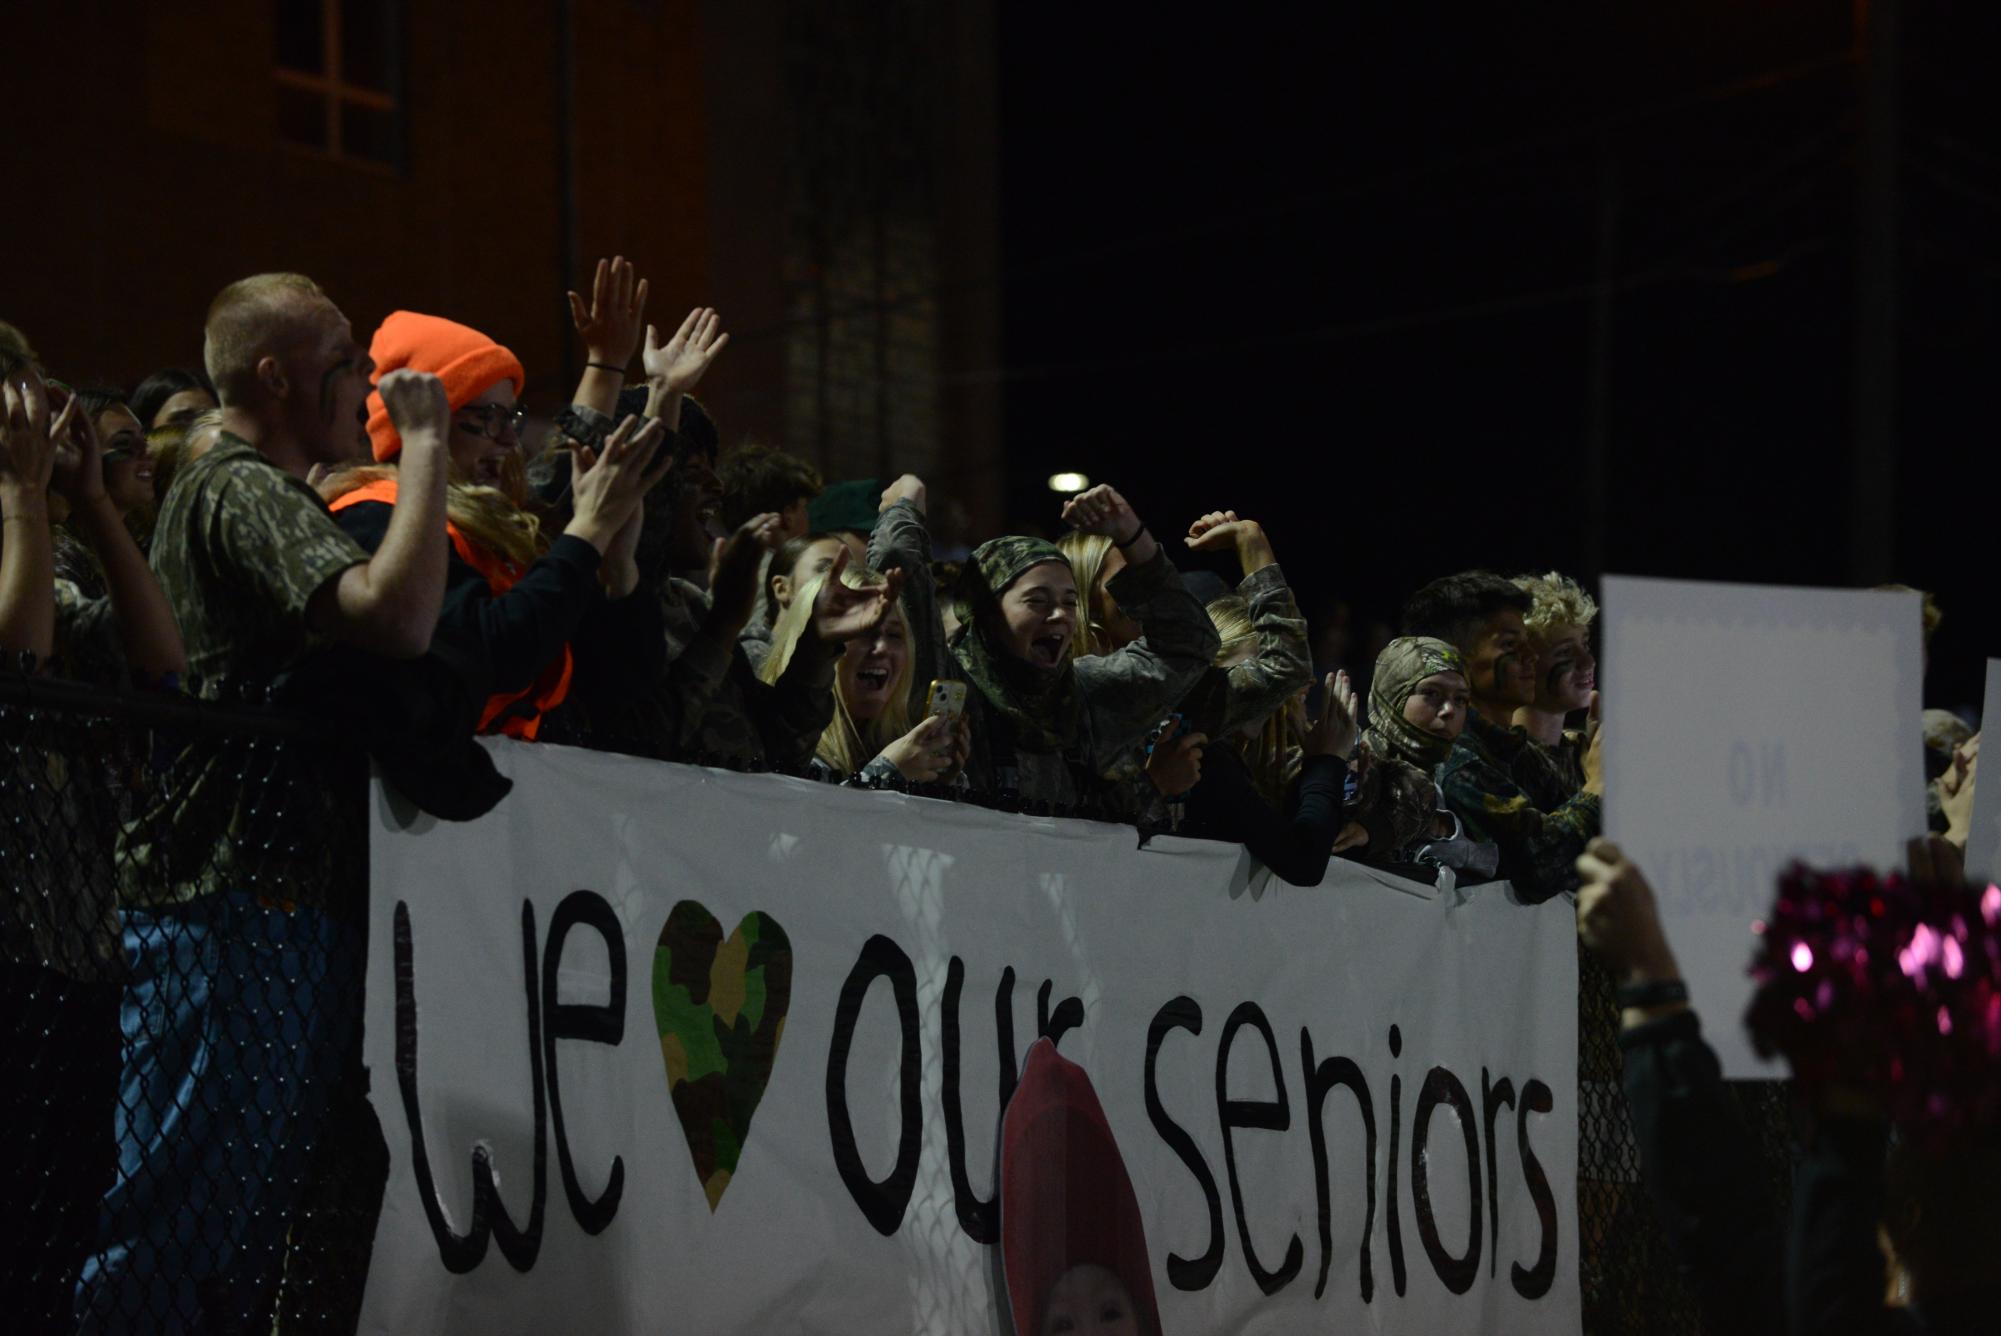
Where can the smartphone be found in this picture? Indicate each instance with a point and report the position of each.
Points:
(947, 699)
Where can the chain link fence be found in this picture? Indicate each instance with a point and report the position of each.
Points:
(188, 1140)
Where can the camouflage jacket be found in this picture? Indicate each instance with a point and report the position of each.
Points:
(1282, 665)
(901, 542)
(1125, 695)
(712, 708)
(1539, 846)
(239, 550)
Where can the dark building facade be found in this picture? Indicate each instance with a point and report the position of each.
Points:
(823, 174)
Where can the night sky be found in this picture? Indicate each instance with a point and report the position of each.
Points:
(1340, 276)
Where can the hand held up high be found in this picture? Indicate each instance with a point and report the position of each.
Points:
(1223, 528)
(609, 324)
(27, 442)
(1339, 726)
(1617, 918)
(842, 612)
(677, 366)
(609, 488)
(1101, 510)
(733, 588)
(417, 404)
(909, 488)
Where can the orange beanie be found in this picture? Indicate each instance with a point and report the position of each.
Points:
(466, 360)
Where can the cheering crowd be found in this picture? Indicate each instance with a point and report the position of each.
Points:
(634, 584)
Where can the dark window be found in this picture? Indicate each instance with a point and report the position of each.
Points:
(339, 65)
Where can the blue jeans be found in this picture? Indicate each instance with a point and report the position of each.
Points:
(236, 1020)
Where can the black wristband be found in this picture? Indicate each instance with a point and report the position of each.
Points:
(1138, 534)
(618, 371)
(1658, 993)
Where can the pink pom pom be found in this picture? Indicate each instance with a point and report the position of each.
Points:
(1885, 985)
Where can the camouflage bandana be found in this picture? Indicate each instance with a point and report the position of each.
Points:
(1042, 709)
(1404, 663)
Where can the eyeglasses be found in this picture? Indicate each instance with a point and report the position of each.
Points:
(493, 421)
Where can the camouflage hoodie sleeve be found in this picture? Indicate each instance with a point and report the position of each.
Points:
(794, 711)
(1282, 665)
(901, 542)
(1130, 690)
(1539, 849)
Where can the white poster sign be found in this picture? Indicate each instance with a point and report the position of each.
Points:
(658, 1048)
(1983, 840)
(1747, 726)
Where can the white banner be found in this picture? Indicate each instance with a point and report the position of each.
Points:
(658, 1048)
(1747, 726)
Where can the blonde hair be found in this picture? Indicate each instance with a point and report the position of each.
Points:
(1087, 553)
(488, 516)
(174, 445)
(1273, 755)
(848, 744)
(249, 319)
(1557, 601)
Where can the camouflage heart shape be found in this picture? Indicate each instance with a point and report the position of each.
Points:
(720, 1008)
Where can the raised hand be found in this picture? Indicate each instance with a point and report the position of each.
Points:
(609, 325)
(27, 442)
(1102, 510)
(78, 472)
(909, 488)
(609, 487)
(677, 366)
(842, 612)
(1224, 528)
(733, 588)
(1335, 732)
(1617, 919)
(1175, 764)
(1957, 799)
(927, 753)
(417, 404)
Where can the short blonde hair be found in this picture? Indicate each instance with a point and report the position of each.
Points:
(1556, 601)
(248, 320)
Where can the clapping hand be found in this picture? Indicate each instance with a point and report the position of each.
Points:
(609, 326)
(78, 469)
(27, 438)
(677, 366)
(1335, 732)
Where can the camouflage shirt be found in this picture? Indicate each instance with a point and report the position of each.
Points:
(1281, 666)
(87, 646)
(901, 542)
(1539, 846)
(240, 548)
(712, 707)
(1124, 695)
